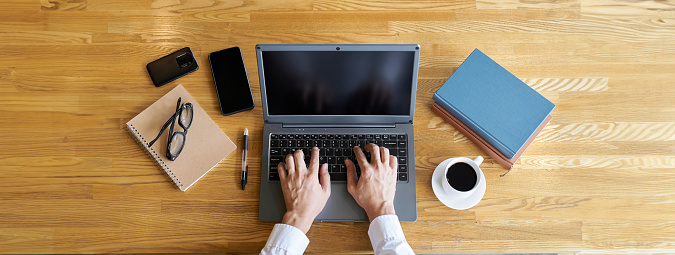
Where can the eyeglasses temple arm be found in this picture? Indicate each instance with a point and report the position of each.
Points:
(175, 115)
(162, 131)
(166, 124)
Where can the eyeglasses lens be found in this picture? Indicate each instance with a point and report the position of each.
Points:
(186, 116)
(176, 143)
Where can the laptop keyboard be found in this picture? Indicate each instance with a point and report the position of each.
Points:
(334, 149)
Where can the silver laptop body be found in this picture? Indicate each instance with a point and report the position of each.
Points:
(334, 89)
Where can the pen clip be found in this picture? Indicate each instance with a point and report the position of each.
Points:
(244, 178)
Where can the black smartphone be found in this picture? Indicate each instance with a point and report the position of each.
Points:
(172, 66)
(229, 75)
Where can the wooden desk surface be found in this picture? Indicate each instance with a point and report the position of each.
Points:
(598, 179)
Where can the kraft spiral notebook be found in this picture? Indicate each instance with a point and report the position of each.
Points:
(205, 144)
(494, 103)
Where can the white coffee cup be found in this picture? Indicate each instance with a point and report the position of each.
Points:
(464, 191)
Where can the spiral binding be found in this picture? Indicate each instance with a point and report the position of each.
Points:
(139, 138)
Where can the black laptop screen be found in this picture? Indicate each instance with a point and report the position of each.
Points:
(338, 82)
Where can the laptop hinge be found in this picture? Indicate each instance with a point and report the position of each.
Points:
(298, 125)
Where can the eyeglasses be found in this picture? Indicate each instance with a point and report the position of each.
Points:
(176, 140)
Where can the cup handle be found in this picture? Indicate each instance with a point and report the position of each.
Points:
(478, 160)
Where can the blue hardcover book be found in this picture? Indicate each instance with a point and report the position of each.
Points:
(494, 103)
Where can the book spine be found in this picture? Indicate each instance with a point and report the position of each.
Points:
(478, 141)
(151, 152)
(476, 128)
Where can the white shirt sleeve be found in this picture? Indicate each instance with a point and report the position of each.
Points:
(386, 236)
(286, 240)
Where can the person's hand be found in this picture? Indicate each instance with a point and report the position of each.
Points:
(376, 188)
(304, 194)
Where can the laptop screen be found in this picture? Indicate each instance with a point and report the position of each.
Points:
(339, 82)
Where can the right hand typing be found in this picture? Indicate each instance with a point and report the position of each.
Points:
(376, 188)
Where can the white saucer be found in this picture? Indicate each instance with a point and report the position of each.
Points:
(455, 203)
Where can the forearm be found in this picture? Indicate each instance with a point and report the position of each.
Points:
(301, 222)
(285, 239)
(385, 208)
(386, 236)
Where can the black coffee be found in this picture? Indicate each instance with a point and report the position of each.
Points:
(461, 176)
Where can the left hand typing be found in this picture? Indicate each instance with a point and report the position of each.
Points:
(304, 193)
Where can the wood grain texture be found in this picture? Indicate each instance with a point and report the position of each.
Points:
(599, 179)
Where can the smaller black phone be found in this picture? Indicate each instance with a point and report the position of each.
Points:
(229, 75)
(172, 66)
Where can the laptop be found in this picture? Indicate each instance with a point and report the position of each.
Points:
(335, 97)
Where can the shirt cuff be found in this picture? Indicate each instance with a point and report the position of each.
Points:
(385, 227)
(288, 238)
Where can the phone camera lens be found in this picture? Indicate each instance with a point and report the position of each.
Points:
(185, 60)
(337, 48)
